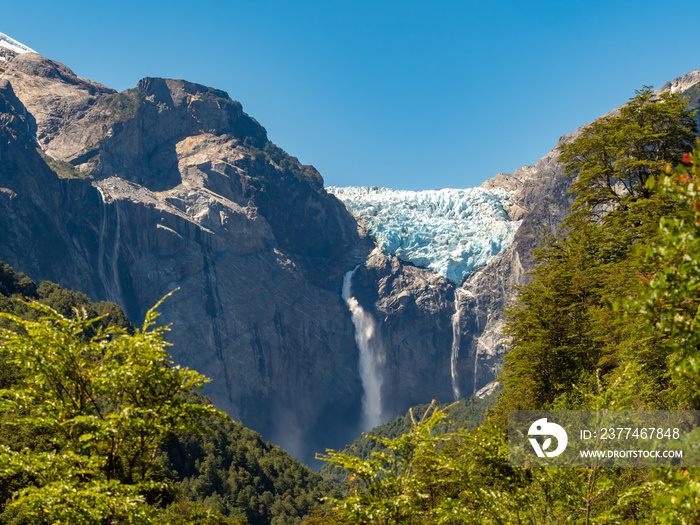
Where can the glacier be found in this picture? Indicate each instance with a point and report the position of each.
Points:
(450, 231)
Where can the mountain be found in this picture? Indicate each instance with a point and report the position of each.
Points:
(127, 196)
(228, 468)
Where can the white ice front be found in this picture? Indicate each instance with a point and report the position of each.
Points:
(449, 231)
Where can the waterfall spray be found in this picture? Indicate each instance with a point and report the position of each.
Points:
(371, 356)
(456, 339)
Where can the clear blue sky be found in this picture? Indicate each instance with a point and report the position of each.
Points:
(403, 94)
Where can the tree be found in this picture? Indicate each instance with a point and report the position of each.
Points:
(560, 327)
(616, 155)
(671, 304)
(99, 408)
(395, 485)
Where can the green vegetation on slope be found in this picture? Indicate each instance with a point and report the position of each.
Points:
(610, 321)
(465, 414)
(692, 98)
(221, 473)
(232, 470)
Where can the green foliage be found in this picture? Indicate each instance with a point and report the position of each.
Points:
(425, 477)
(672, 305)
(616, 155)
(15, 284)
(465, 414)
(395, 485)
(564, 328)
(289, 166)
(63, 169)
(185, 512)
(670, 309)
(125, 105)
(232, 470)
(103, 405)
(221, 98)
(16, 287)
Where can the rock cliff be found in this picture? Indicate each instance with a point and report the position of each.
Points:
(127, 196)
(444, 340)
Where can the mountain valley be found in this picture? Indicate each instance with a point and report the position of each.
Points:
(171, 185)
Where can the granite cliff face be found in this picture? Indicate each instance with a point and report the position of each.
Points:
(127, 196)
(170, 185)
(444, 341)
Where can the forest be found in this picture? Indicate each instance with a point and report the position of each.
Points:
(609, 321)
(97, 425)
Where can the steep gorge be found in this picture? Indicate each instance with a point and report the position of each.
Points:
(127, 196)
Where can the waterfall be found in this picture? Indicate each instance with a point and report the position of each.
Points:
(101, 242)
(111, 285)
(117, 290)
(371, 356)
(456, 339)
(476, 367)
(476, 349)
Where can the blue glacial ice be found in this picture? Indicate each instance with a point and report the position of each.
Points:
(449, 231)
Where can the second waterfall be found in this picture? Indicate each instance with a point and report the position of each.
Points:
(371, 356)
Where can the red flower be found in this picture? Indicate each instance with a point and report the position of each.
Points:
(686, 158)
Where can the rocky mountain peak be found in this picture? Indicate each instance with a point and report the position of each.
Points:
(9, 47)
(171, 184)
(682, 83)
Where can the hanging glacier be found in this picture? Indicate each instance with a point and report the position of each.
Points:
(450, 231)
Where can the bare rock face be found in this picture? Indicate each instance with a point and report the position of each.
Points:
(127, 196)
(171, 185)
(412, 308)
(541, 201)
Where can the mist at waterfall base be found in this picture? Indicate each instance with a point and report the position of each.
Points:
(371, 358)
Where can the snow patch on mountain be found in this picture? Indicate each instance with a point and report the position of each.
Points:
(449, 231)
(680, 84)
(13, 45)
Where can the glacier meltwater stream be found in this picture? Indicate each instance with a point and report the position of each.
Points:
(371, 356)
(456, 339)
(113, 289)
(450, 231)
